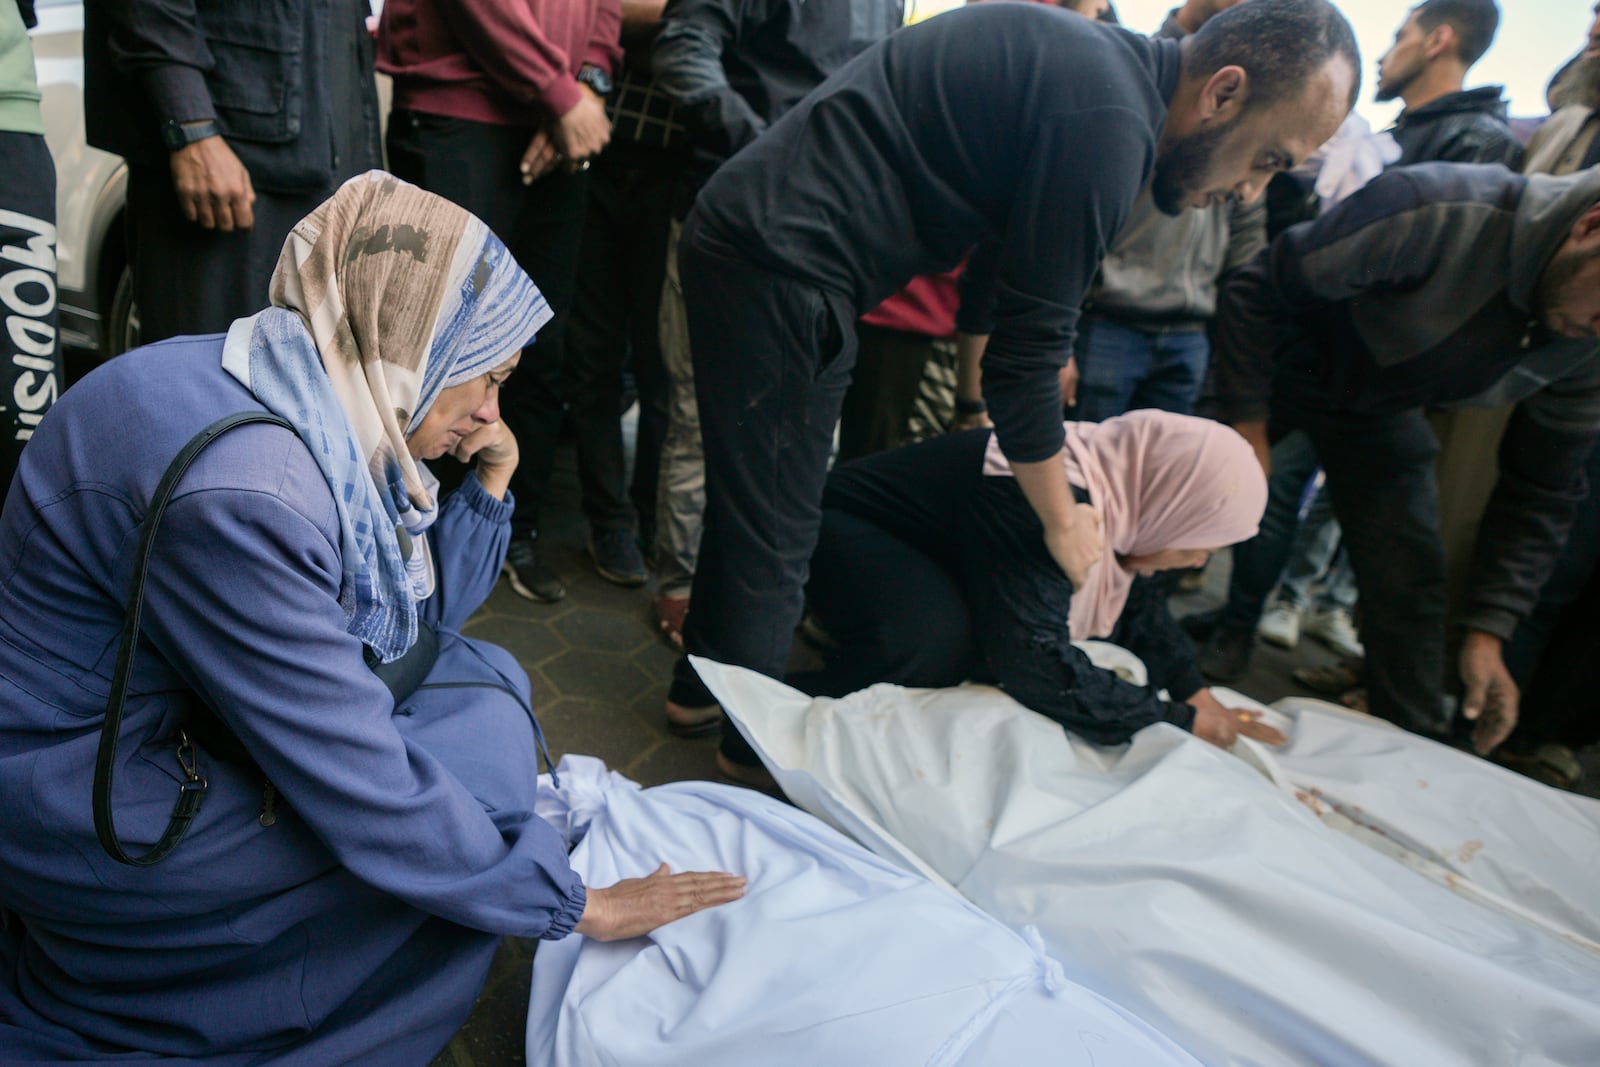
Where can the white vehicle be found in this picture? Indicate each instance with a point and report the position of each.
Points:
(95, 286)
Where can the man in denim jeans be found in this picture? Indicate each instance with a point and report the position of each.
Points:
(1142, 342)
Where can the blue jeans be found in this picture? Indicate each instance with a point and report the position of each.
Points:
(1318, 555)
(1122, 369)
(1258, 562)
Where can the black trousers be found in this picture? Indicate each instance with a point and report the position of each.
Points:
(1552, 654)
(891, 570)
(30, 352)
(476, 165)
(616, 315)
(188, 279)
(1380, 477)
(772, 359)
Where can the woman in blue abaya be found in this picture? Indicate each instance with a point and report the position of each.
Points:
(355, 857)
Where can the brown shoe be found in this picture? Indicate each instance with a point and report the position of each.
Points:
(693, 722)
(1329, 679)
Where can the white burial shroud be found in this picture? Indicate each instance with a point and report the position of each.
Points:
(1238, 905)
(834, 956)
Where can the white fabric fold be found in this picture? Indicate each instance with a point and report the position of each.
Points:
(834, 956)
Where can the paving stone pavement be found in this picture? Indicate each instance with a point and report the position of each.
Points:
(600, 673)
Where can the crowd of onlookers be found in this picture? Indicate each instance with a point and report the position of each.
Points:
(581, 131)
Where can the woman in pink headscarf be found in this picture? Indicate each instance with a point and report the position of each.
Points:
(931, 569)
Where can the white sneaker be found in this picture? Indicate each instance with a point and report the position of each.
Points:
(1280, 625)
(1334, 629)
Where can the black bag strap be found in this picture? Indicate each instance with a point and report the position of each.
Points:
(192, 789)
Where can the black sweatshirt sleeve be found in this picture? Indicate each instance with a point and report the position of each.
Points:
(1073, 193)
(687, 60)
(161, 43)
(1092, 703)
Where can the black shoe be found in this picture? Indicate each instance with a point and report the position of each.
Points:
(528, 574)
(617, 557)
(1226, 655)
(1201, 624)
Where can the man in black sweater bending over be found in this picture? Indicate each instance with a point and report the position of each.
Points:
(1017, 128)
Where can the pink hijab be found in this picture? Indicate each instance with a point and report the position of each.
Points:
(1161, 481)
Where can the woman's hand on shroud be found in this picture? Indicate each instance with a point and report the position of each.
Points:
(635, 906)
(1222, 725)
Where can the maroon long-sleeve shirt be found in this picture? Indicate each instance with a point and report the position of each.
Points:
(510, 62)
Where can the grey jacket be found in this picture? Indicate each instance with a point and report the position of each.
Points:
(1163, 270)
(1418, 291)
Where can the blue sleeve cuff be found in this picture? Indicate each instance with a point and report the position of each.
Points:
(472, 495)
(571, 912)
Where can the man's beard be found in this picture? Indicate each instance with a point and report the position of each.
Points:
(1391, 90)
(1579, 85)
(1183, 170)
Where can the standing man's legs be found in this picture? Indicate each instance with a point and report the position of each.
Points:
(597, 345)
(476, 165)
(545, 241)
(1112, 360)
(30, 347)
(772, 361)
(1176, 373)
(681, 488)
(645, 273)
(1380, 476)
(1258, 562)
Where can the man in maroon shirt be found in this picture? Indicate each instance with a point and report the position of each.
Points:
(499, 106)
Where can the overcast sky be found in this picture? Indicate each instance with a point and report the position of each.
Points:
(1536, 36)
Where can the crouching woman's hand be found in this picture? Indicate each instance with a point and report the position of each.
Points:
(635, 906)
(1222, 726)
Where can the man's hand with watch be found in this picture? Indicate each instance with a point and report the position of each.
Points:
(213, 187)
(583, 131)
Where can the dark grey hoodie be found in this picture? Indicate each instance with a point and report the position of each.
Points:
(1418, 291)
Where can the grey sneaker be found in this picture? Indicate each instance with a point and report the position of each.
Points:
(617, 557)
(1336, 629)
(1226, 655)
(1280, 625)
(528, 574)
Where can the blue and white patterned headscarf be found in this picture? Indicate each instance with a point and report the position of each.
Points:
(383, 296)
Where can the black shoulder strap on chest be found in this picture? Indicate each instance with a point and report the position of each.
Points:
(192, 790)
